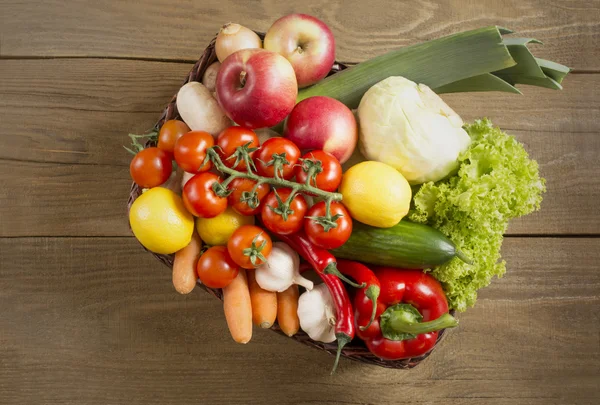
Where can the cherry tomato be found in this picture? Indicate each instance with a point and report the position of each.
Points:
(169, 133)
(190, 151)
(232, 138)
(241, 185)
(334, 237)
(272, 212)
(249, 246)
(330, 175)
(151, 167)
(279, 147)
(215, 268)
(199, 197)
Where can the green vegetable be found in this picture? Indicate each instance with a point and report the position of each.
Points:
(434, 63)
(496, 182)
(407, 245)
(476, 60)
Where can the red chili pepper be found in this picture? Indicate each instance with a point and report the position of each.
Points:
(324, 264)
(367, 295)
(411, 309)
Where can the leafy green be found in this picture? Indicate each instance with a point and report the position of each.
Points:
(496, 181)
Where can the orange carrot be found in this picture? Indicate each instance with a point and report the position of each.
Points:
(184, 266)
(238, 308)
(264, 303)
(287, 310)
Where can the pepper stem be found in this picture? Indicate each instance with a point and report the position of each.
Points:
(403, 321)
(333, 270)
(342, 340)
(371, 293)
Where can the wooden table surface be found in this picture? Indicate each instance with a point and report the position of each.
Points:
(87, 317)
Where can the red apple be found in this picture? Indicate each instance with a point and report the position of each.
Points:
(256, 88)
(306, 42)
(323, 123)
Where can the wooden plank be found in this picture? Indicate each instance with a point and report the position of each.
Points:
(362, 29)
(39, 199)
(96, 320)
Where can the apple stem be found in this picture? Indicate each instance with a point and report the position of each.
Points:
(243, 75)
(273, 181)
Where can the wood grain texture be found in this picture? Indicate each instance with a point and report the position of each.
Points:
(157, 29)
(96, 321)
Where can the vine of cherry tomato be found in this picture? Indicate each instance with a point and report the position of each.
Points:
(276, 221)
(238, 187)
(232, 138)
(334, 237)
(249, 246)
(276, 146)
(199, 197)
(330, 176)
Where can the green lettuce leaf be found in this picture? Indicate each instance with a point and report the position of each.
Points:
(496, 181)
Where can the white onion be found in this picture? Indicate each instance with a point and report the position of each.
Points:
(234, 37)
(209, 78)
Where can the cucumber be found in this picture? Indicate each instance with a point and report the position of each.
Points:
(406, 245)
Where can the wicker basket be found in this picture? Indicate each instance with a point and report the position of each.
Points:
(356, 350)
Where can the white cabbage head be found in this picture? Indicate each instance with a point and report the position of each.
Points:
(409, 127)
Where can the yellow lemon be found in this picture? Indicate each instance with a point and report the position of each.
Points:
(160, 221)
(217, 230)
(376, 194)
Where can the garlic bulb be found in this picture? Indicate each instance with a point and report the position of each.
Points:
(317, 314)
(281, 270)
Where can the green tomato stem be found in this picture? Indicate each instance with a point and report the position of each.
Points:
(273, 181)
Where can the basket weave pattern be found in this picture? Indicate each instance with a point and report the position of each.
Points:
(356, 350)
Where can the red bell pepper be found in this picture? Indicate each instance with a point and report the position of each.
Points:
(411, 309)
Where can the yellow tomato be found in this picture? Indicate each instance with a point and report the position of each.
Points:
(218, 230)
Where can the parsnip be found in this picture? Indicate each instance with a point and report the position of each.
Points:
(199, 109)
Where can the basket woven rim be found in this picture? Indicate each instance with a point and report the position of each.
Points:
(355, 350)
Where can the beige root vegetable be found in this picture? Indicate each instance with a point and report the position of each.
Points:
(234, 37)
(200, 110)
(209, 78)
(184, 266)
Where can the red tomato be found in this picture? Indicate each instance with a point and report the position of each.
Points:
(169, 133)
(273, 216)
(330, 175)
(231, 139)
(249, 246)
(279, 149)
(334, 237)
(199, 197)
(215, 268)
(241, 185)
(190, 151)
(150, 167)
